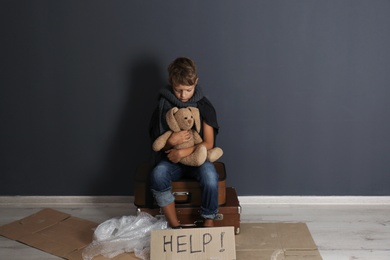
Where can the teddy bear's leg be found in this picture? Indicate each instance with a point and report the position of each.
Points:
(197, 158)
(214, 154)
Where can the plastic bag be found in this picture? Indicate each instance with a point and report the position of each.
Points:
(125, 234)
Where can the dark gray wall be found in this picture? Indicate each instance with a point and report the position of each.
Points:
(301, 89)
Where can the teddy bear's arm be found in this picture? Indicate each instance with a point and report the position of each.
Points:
(161, 141)
(197, 138)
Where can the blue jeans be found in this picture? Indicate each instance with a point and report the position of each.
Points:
(165, 172)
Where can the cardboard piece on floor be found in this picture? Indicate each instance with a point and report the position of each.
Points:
(276, 241)
(65, 236)
(193, 244)
(56, 233)
(52, 231)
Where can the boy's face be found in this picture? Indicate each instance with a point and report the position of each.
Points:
(184, 92)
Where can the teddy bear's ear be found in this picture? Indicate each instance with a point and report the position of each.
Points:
(196, 114)
(171, 120)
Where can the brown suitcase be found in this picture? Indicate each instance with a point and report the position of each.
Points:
(229, 214)
(187, 192)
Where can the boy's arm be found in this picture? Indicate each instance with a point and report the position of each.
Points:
(208, 136)
(176, 155)
(179, 138)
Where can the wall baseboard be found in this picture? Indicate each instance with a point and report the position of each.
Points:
(114, 201)
(17, 201)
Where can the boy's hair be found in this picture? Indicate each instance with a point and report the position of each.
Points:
(182, 71)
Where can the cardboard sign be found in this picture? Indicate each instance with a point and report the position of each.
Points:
(195, 243)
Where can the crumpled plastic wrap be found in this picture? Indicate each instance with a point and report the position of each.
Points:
(125, 234)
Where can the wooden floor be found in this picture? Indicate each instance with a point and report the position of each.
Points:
(340, 231)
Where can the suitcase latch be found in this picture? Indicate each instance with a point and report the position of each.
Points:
(179, 197)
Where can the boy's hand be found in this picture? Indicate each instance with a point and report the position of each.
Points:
(173, 155)
(180, 137)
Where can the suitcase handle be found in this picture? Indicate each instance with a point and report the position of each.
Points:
(182, 193)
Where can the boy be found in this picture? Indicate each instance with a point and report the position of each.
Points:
(183, 92)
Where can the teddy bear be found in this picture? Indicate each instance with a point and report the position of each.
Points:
(186, 119)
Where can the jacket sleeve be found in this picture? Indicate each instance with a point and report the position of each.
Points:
(208, 113)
